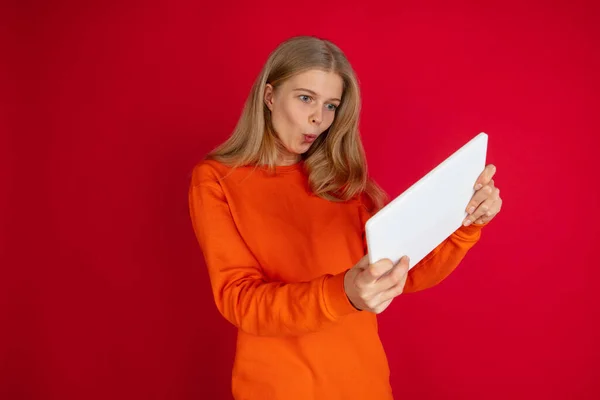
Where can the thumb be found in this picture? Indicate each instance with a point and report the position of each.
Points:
(375, 271)
(363, 262)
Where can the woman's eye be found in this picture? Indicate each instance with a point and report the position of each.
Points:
(331, 107)
(305, 98)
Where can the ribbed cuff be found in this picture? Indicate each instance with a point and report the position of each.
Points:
(471, 232)
(336, 301)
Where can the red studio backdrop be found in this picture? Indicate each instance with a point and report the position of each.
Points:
(108, 105)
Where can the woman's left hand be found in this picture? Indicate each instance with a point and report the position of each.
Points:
(486, 202)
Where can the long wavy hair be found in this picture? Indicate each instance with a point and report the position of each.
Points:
(335, 163)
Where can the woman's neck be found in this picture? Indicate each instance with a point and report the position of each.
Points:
(287, 160)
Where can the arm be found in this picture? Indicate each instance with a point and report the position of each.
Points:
(444, 259)
(441, 261)
(242, 292)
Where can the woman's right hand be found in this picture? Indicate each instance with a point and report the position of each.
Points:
(370, 287)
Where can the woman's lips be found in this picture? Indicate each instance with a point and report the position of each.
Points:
(309, 138)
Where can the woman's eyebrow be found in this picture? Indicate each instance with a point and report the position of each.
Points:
(313, 93)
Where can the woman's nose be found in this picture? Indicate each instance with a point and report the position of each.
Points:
(316, 117)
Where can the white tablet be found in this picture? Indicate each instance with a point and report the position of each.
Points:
(428, 212)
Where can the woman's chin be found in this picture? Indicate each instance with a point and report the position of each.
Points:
(305, 148)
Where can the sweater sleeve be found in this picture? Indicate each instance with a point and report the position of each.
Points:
(441, 261)
(242, 292)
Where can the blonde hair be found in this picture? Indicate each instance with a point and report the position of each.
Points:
(336, 162)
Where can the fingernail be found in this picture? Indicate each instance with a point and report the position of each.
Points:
(468, 222)
(471, 210)
(478, 186)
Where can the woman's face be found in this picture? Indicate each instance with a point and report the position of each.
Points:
(302, 108)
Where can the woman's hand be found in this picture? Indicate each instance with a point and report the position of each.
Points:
(370, 287)
(486, 202)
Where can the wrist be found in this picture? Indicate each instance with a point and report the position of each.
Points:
(346, 286)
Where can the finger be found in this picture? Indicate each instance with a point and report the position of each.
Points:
(381, 307)
(363, 262)
(479, 197)
(485, 177)
(395, 290)
(486, 209)
(497, 206)
(374, 271)
(391, 279)
(482, 220)
(388, 286)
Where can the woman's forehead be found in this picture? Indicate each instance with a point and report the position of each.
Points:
(322, 83)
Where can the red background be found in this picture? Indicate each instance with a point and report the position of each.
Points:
(108, 106)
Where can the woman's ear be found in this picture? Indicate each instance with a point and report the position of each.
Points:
(268, 98)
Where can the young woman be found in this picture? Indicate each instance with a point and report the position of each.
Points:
(279, 211)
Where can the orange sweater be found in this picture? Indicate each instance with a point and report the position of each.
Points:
(276, 255)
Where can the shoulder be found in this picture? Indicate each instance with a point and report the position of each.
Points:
(208, 171)
(373, 199)
(365, 201)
